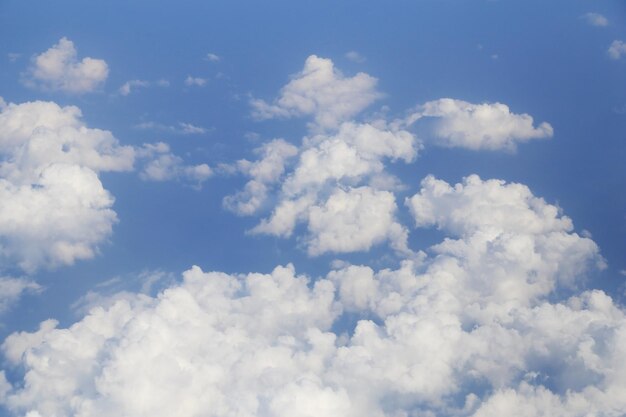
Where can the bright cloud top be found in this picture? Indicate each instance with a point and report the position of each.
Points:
(320, 91)
(58, 69)
(334, 183)
(488, 126)
(470, 332)
(55, 208)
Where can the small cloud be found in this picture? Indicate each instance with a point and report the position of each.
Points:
(197, 81)
(623, 272)
(13, 56)
(617, 49)
(495, 56)
(163, 83)
(212, 57)
(181, 128)
(595, 19)
(162, 165)
(58, 69)
(354, 56)
(128, 86)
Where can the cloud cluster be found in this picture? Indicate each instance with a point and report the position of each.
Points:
(488, 126)
(162, 165)
(320, 91)
(11, 289)
(473, 330)
(58, 69)
(55, 209)
(335, 183)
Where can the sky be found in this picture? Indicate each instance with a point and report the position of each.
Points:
(238, 208)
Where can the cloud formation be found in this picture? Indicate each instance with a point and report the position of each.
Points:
(320, 91)
(473, 330)
(58, 69)
(162, 165)
(596, 19)
(617, 49)
(487, 126)
(55, 209)
(331, 176)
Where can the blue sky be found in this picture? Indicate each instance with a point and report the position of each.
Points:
(454, 164)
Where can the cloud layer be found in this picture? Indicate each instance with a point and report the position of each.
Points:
(472, 330)
(58, 69)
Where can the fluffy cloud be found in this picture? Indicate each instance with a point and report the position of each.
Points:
(58, 69)
(55, 209)
(617, 49)
(162, 165)
(473, 330)
(195, 81)
(596, 19)
(181, 128)
(320, 91)
(479, 126)
(333, 176)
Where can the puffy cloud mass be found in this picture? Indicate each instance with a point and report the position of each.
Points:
(55, 209)
(162, 165)
(320, 91)
(59, 69)
(335, 183)
(476, 329)
(489, 126)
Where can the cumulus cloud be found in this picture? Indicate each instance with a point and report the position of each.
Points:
(476, 329)
(330, 175)
(617, 49)
(162, 165)
(354, 56)
(488, 126)
(595, 19)
(320, 91)
(212, 57)
(55, 209)
(58, 69)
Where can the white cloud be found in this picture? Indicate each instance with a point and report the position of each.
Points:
(354, 56)
(181, 128)
(55, 210)
(131, 85)
(264, 173)
(617, 49)
(595, 19)
(489, 126)
(162, 165)
(195, 81)
(313, 188)
(320, 91)
(354, 220)
(58, 69)
(473, 332)
(212, 57)
(11, 289)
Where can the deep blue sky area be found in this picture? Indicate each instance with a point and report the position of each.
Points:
(541, 58)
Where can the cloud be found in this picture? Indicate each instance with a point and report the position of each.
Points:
(320, 91)
(195, 81)
(595, 19)
(131, 85)
(55, 210)
(617, 49)
(212, 58)
(478, 328)
(58, 69)
(488, 126)
(181, 129)
(11, 289)
(162, 165)
(13, 56)
(329, 176)
(354, 56)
